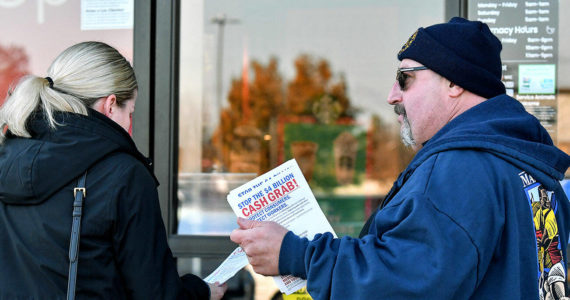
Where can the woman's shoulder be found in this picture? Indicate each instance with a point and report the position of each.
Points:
(123, 167)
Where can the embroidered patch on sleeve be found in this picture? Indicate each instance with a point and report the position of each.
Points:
(551, 272)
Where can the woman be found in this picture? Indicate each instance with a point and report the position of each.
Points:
(52, 131)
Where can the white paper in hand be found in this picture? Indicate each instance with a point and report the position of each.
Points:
(229, 267)
(282, 195)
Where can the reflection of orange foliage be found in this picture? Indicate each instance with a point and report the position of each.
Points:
(266, 93)
(266, 100)
(305, 85)
(271, 103)
(13, 65)
(311, 82)
(339, 92)
(264, 103)
(223, 137)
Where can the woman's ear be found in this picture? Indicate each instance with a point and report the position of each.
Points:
(108, 104)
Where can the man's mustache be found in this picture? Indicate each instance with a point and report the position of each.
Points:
(399, 109)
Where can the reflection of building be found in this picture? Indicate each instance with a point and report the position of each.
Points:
(386, 156)
(345, 148)
(305, 152)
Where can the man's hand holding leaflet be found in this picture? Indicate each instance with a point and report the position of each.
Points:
(283, 197)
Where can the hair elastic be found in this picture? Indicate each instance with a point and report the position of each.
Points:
(50, 81)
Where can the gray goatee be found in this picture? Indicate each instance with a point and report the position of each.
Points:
(406, 129)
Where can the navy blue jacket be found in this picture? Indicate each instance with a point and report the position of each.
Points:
(123, 250)
(463, 221)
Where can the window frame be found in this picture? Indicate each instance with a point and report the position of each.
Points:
(155, 128)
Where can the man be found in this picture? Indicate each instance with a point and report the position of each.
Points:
(458, 222)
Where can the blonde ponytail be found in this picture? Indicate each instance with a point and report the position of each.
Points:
(81, 74)
(15, 113)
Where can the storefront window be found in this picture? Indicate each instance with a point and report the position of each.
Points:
(33, 33)
(563, 72)
(264, 82)
(533, 56)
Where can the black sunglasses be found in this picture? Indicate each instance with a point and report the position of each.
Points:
(401, 76)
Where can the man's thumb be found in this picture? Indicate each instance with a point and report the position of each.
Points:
(245, 223)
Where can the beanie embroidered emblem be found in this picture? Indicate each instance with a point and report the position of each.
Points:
(408, 43)
(462, 51)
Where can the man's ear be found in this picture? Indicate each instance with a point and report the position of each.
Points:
(109, 104)
(454, 90)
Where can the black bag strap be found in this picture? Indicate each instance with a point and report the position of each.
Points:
(79, 193)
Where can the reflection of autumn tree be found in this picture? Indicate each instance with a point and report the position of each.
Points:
(13, 65)
(222, 138)
(238, 144)
(241, 124)
(311, 83)
(266, 100)
(266, 93)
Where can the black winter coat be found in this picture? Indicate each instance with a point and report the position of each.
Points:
(123, 250)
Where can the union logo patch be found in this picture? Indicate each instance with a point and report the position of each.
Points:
(550, 261)
(408, 43)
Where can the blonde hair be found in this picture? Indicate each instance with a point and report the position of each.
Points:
(81, 74)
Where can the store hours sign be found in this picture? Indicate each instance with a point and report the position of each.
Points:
(528, 31)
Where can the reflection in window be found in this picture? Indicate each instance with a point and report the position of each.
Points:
(296, 79)
(33, 33)
(310, 117)
(13, 65)
(200, 210)
(242, 139)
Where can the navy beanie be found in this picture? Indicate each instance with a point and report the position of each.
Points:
(465, 52)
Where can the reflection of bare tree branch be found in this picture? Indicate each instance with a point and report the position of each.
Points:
(13, 65)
